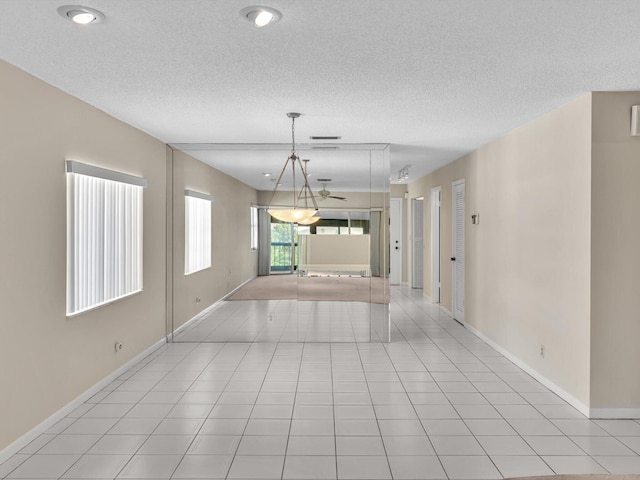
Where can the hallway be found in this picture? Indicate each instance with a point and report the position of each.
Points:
(436, 403)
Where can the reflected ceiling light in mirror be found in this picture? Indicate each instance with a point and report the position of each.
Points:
(81, 15)
(294, 214)
(403, 173)
(260, 16)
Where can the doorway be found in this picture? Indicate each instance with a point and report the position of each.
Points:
(457, 259)
(395, 233)
(436, 194)
(417, 251)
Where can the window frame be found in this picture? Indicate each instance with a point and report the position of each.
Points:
(104, 236)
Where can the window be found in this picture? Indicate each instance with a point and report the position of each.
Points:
(254, 228)
(338, 222)
(104, 236)
(197, 231)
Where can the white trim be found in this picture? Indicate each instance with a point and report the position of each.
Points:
(567, 397)
(71, 166)
(200, 195)
(427, 297)
(43, 426)
(207, 310)
(614, 413)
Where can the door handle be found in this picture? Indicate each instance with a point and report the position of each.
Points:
(453, 259)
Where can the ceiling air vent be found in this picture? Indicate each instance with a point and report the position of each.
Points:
(325, 138)
(324, 148)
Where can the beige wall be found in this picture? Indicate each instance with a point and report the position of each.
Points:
(232, 261)
(528, 261)
(336, 249)
(615, 272)
(46, 359)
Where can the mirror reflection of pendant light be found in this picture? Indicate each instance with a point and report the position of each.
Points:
(294, 214)
(314, 219)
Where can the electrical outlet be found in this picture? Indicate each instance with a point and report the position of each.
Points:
(542, 351)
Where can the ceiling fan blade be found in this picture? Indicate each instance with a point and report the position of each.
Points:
(337, 198)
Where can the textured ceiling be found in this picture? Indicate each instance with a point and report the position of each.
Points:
(435, 79)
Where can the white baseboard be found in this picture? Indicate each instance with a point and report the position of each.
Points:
(446, 310)
(427, 297)
(43, 426)
(207, 310)
(567, 397)
(614, 413)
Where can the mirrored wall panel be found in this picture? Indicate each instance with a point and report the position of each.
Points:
(286, 247)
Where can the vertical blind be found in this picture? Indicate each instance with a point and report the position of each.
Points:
(104, 237)
(254, 228)
(197, 244)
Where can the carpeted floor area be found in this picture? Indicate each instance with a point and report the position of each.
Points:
(329, 288)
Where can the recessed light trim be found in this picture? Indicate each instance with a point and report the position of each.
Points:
(81, 15)
(260, 16)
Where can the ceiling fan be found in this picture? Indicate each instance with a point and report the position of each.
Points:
(324, 193)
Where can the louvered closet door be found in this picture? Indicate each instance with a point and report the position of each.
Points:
(458, 250)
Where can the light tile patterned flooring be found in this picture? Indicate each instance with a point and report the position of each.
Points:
(436, 403)
(284, 321)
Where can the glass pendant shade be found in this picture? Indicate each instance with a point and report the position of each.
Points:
(309, 221)
(292, 215)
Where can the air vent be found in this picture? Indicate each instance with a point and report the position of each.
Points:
(324, 148)
(324, 180)
(325, 138)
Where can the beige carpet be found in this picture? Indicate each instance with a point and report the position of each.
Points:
(336, 289)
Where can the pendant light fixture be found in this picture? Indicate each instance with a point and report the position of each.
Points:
(314, 219)
(293, 213)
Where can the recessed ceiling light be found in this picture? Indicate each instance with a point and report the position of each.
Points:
(260, 16)
(81, 15)
(266, 174)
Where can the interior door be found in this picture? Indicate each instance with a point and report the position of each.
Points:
(457, 259)
(395, 232)
(435, 244)
(417, 252)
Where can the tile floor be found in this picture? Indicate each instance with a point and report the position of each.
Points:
(436, 403)
(285, 321)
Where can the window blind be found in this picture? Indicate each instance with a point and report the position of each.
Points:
(104, 236)
(197, 245)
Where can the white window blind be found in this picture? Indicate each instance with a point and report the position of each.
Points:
(197, 226)
(254, 228)
(104, 236)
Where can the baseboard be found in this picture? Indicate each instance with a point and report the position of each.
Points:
(427, 297)
(43, 426)
(567, 397)
(614, 413)
(445, 310)
(207, 310)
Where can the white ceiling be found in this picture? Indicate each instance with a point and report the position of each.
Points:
(434, 79)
